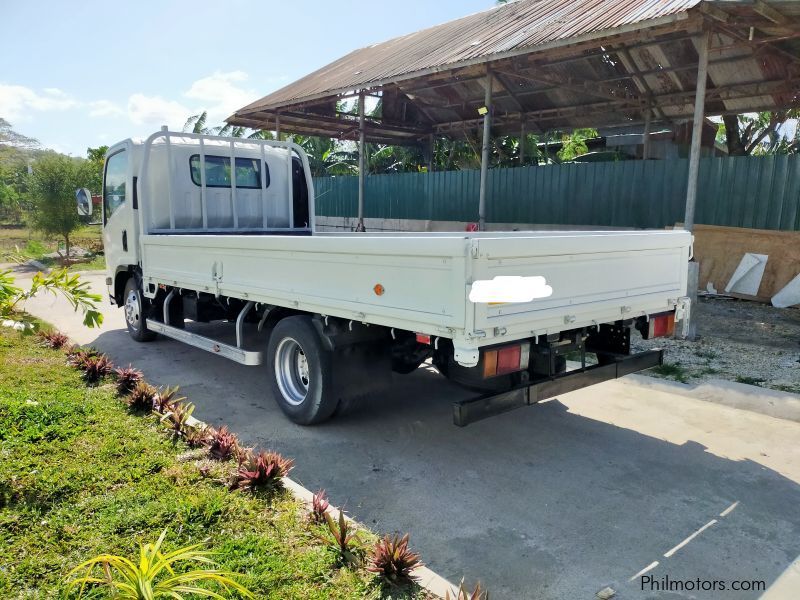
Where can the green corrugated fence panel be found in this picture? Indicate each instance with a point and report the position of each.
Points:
(742, 191)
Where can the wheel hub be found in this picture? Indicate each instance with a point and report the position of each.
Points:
(132, 311)
(291, 371)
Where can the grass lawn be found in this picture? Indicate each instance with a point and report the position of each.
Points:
(23, 242)
(81, 475)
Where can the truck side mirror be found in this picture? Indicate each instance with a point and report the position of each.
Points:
(84, 200)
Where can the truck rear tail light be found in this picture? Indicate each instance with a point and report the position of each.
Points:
(424, 339)
(661, 325)
(508, 359)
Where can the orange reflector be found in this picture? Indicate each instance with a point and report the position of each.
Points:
(490, 363)
(662, 325)
(378, 289)
(424, 339)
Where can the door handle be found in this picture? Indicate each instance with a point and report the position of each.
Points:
(125, 240)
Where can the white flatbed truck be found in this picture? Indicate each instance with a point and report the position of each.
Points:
(189, 239)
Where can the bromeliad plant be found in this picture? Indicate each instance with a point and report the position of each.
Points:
(165, 399)
(142, 396)
(263, 471)
(53, 339)
(344, 539)
(95, 367)
(393, 561)
(69, 285)
(319, 507)
(198, 436)
(463, 594)
(127, 379)
(223, 445)
(155, 576)
(178, 418)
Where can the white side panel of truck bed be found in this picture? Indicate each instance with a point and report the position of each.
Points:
(422, 278)
(596, 277)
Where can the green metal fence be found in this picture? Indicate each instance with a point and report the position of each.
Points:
(756, 192)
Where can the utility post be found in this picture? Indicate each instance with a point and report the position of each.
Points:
(487, 134)
(694, 169)
(362, 151)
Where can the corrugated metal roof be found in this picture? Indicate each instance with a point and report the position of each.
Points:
(516, 27)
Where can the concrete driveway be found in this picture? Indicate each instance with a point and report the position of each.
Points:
(556, 501)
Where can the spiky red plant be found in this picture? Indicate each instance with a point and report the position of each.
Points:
(464, 594)
(76, 356)
(53, 339)
(127, 378)
(142, 396)
(393, 561)
(198, 437)
(165, 398)
(223, 444)
(96, 367)
(262, 471)
(319, 506)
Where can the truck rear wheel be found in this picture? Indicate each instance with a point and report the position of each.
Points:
(301, 371)
(135, 315)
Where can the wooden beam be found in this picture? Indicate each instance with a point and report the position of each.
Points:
(771, 13)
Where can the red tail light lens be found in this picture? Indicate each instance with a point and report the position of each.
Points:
(661, 325)
(508, 359)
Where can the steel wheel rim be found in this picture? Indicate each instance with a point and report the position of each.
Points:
(291, 371)
(132, 310)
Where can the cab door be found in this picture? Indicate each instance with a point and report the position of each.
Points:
(120, 226)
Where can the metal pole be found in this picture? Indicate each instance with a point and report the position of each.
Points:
(487, 134)
(646, 136)
(431, 148)
(361, 162)
(278, 127)
(522, 134)
(697, 130)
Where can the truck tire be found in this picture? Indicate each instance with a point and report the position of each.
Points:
(301, 377)
(133, 305)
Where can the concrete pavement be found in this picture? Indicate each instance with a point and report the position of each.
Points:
(555, 501)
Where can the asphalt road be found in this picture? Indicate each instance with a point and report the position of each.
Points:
(556, 501)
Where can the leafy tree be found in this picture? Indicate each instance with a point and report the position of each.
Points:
(53, 183)
(11, 138)
(758, 133)
(96, 158)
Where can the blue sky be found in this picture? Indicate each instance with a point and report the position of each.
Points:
(78, 74)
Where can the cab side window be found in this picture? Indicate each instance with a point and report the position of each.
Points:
(114, 183)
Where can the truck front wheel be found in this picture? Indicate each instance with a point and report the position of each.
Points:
(135, 314)
(301, 371)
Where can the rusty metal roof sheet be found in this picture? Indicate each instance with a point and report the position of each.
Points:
(516, 27)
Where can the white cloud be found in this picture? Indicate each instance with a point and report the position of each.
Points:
(220, 95)
(105, 108)
(18, 101)
(155, 110)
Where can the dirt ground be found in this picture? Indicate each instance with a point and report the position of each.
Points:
(739, 341)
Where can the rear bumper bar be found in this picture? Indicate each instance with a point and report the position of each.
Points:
(476, 409)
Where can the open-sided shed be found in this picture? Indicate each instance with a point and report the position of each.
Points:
(538, 65)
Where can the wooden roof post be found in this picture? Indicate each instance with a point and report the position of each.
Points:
(487, 135)
(278, 126)
(697, 130)
(361, 162)
(522, 135)
(646, 136)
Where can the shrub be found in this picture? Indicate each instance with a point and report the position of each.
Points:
(77, 355)
(262, 471)
(155, 574)
(142, 396)
(127, 379)
(53, 339)
(223, 444)
(393, 561)
(319, 507)
(95, 367)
